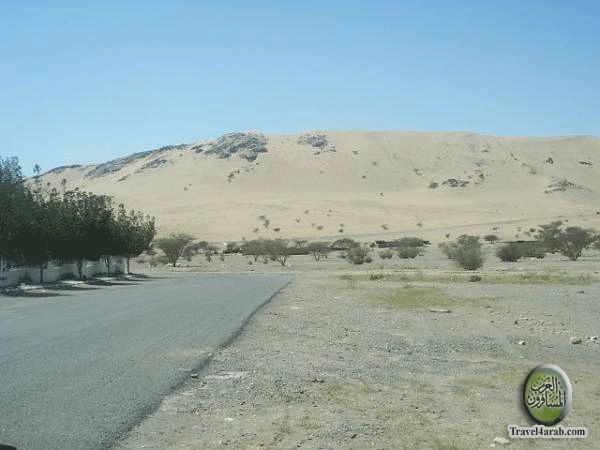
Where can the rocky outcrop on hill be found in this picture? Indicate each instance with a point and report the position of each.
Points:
(561, 185)
(61, 169)
(246, 145)
(155, 163)
(115, 165)
(316, 141)
(453, 182)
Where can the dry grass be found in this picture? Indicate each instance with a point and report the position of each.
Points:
(542, 277)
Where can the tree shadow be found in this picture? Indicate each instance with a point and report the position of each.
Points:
(33, 293)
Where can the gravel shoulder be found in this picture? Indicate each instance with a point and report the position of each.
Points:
(337, 363)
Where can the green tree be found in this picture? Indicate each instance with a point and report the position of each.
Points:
(174, 246)
(137, 232)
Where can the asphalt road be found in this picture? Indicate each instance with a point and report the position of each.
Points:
(79, 369)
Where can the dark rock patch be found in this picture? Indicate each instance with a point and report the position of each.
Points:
(561, 185)
(246, 145)
(61, 169)
(318, 141)
(155, 163)
(117, 164)
(453, 182)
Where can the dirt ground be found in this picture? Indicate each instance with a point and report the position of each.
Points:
(364, 358)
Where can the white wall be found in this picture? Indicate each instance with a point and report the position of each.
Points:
(54, 272)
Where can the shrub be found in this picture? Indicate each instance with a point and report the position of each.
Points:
(410, 247)
(359, 254)
(386, 254)
(467, 252)
(408, 252)
(509, 253)
(344, 244)
(411, 242)
(448, 248)
(532, 249)
(491, 238)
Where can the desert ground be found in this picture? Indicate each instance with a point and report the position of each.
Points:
(391, 355)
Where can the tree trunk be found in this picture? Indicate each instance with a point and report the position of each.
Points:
(107, 262)
(128, 266)
(41, 273)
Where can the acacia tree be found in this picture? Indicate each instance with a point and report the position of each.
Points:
(318, 249)
(575, 239)
(174, 246)
(254, 248)
(550, 235)
(278, 250)
(570, 241)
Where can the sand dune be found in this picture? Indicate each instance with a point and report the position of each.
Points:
(366, 184)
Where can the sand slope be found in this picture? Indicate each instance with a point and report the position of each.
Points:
(367, 184)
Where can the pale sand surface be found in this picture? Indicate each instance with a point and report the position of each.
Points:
(372, 181)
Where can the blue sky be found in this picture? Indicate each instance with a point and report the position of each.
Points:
(89, 81)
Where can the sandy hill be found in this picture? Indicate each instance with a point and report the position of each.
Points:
(364, 184)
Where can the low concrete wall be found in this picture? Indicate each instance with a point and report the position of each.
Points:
(54, 272)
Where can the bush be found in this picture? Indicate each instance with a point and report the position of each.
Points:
(359, 254)
(532, 249)
(343, 244)
(410, 247)
(408, 252)
(467, 252)
(410, 242)
(448, 249)
(491, 238)
(386, 254)
(509, 253)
